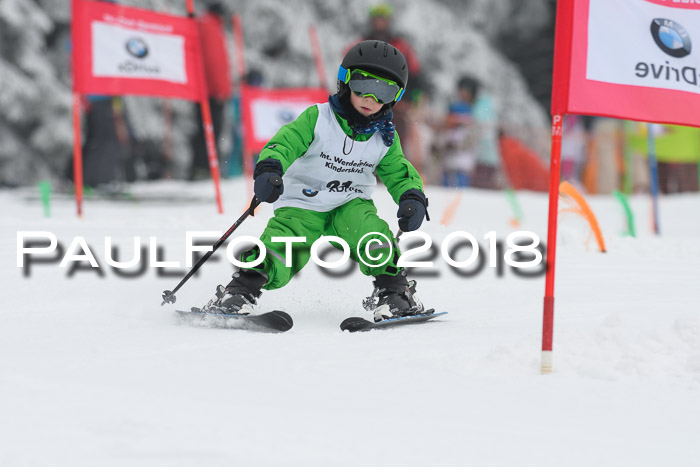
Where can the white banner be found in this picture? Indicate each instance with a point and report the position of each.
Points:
(269, 116)
(635, 42)
(119, 52)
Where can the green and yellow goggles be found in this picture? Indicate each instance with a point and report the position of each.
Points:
(363, 83)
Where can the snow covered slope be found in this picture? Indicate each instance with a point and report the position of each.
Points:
(93, 371)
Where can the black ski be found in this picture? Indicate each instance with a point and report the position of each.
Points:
(357, 324)
(272, 321)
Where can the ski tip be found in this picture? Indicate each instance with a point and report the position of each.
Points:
(355, 324)
(283, 320)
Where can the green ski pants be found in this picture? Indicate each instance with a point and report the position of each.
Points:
(356, 222)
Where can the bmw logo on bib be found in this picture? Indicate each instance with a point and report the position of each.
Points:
(671, 37)
(309, 193)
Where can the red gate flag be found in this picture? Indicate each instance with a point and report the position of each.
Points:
(264, 111)
(632, 59)
(120, 50)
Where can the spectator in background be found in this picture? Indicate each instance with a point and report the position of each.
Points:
(637, 177)
(574, 147)
(218, 78)
(253, 78)
(425, 123)
(107, 151)
(487, 173)
(456, 141)
(380, 28)
(603, 169)
(677, 150)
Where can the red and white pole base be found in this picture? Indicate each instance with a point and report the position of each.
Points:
(548, 312)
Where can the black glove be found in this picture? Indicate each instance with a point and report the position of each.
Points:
(413, 207)
(268, 180)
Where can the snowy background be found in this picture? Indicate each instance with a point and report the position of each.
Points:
(451, 38)
(93, 371)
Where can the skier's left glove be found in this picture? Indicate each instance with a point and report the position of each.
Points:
(265, 191)
(413, 207)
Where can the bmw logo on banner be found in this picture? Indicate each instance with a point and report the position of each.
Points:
(137, 48)
(286, 116)
(671, 37)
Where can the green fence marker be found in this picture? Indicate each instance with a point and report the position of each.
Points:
(45, 193)
(628, 213)
(517, 211)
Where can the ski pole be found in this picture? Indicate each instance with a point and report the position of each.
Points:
(169, 295)
(408, 210)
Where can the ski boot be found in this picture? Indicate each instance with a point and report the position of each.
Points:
(239, 296)
(393, 296)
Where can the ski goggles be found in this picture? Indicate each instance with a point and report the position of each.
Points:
(363, 83)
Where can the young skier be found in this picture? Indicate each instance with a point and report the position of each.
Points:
(328, 158)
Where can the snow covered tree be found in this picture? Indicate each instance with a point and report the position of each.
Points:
(35, 124)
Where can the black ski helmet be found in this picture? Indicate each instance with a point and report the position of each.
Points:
(377, 57)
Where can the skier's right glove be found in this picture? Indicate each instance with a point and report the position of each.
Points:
(265, 190)
(413, 207)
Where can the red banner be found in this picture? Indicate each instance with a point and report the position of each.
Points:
(264, 111)
(632, 59)
(119, 50)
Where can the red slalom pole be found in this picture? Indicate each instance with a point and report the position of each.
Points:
(242, 85)
(77, 155)
(548, 313)
(206, 120)
(211, 151)
(77, 141)
(168, 137)
(240, 49)
(318, 57)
